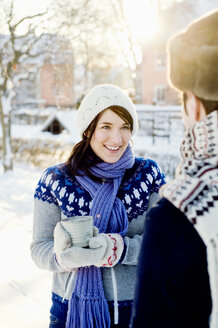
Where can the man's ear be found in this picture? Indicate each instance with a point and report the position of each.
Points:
(196, 107)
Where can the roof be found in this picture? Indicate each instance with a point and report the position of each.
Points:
(66, 119)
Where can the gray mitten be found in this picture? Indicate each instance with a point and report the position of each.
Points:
(104, 249)
(76, 257)
(62, 238)
(70, 257)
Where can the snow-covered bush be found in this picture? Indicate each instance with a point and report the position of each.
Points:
(41, 153)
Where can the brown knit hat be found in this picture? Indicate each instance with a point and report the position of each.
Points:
(193, 58)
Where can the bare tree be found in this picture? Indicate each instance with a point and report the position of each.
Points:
(128, 53)
(14, 50)
(98, 30)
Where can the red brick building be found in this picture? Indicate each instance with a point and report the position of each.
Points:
(155, 87)
(51, 82)
(56, 84)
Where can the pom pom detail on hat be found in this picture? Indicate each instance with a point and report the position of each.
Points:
(193, 58)
(99, 98)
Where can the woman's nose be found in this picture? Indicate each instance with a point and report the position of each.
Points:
(116, 137)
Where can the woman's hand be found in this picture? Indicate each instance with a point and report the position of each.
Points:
(113, 246)
(104, 249)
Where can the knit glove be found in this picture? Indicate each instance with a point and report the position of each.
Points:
(112, 244)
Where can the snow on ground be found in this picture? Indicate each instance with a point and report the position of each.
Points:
(24, 289)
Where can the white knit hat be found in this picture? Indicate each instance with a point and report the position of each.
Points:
(99, 98)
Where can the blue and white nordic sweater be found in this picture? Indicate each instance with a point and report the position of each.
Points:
(59, 195)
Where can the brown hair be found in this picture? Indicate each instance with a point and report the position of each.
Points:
(82, 156)
(209, 105)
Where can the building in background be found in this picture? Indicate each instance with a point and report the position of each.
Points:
(51, 75)
(155, 87)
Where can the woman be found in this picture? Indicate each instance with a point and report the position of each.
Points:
(94, 286)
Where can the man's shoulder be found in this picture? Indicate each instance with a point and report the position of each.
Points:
(167, 221)
(165, 206)
(165, 214)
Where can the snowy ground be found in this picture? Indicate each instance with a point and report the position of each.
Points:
(24, 289)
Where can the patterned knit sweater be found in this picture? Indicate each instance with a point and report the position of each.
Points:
(58, 195)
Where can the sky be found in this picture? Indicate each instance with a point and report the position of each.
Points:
(141, 14)
(30, 6)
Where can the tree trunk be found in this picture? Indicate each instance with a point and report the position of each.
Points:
(7, 157)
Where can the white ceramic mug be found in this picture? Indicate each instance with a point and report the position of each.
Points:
(80, 229)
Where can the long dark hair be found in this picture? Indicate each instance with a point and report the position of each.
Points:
(82, 156)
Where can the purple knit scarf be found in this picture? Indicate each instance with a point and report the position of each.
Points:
(88, 307)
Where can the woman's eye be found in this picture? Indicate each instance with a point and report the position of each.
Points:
(126, 127)
(105, 127)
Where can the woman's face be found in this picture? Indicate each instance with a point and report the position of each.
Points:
(111, 137)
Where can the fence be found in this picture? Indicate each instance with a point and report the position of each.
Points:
(160, 121)
(159, 136)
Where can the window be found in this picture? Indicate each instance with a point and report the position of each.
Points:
(160, 60)
(160, 94)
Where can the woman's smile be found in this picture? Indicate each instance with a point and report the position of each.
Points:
(112, 148)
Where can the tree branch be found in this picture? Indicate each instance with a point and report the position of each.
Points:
(28, 17)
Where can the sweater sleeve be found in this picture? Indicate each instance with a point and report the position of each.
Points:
(46, 215)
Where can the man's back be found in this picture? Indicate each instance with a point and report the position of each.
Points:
(173, 284)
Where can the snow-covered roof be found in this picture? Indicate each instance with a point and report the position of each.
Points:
(66, 119)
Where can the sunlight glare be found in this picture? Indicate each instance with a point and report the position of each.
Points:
(142, 19)
(30, 7)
